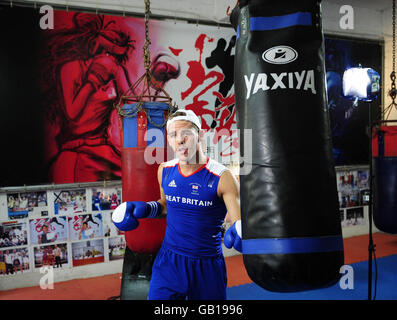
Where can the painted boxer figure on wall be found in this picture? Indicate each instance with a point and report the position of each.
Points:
(85, 73)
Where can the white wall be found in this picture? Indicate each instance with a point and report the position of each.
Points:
(32, 279)
(203, 10)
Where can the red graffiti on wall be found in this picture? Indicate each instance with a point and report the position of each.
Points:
(223, 113)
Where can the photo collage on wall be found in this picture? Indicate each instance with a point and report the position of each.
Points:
(353, 189)
(62, 228)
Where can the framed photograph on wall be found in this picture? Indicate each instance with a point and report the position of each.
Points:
(13, 234)
(354, 217)
(14, 261)
(48, 230)
(351, 185)
(105, 198)
(109, 229)
(87, 252)
(20, 204)
(116, 248)
(71, 201)
(55, 255)
(85, 227)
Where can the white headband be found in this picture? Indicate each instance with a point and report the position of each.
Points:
(189, 116)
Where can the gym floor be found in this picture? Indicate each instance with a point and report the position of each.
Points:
(239, 284)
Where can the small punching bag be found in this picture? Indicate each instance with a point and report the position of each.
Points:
(384, 146)
(143, 134)
(143, 137)
(292, 239)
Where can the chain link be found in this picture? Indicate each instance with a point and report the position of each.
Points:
(146, 83)
(146, 53)
(393, 90)
(394, 35)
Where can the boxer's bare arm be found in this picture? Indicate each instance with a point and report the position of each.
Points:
(229, 191)
(162, 200)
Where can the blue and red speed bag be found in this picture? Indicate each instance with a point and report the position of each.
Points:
(143, 137)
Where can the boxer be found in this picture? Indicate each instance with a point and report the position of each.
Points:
(196, 192)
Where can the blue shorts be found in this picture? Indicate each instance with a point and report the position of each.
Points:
(180, 277)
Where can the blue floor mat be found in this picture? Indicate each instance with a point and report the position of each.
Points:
(386, 286)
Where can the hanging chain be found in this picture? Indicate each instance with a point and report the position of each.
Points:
(145, 83)
(393, 90)
(146, 53)
(394, 36)
(393, 73)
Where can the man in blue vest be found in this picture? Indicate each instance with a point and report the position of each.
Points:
(196, 192)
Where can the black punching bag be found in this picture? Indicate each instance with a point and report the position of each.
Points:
(292, 238)
(384, 161)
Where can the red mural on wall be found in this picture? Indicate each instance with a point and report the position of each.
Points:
(223, 114)
(89, 61)
(87, 67)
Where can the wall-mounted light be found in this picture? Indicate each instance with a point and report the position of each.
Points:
(361, 84)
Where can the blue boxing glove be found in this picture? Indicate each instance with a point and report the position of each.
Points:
(232, 237)
(125, 216)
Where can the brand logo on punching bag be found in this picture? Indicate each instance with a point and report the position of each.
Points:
(299, 80)
(280, 55)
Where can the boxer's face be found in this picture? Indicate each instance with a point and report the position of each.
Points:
(183, 139)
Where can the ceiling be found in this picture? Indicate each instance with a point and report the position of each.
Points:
(215, 10)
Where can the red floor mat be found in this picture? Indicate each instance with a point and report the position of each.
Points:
(101, 288)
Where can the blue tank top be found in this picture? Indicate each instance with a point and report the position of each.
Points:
(195, 213)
